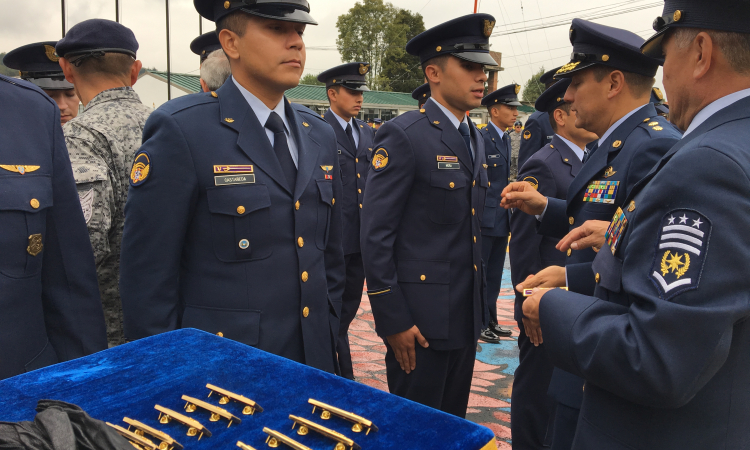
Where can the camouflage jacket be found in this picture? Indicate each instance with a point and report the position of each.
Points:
(102, 142)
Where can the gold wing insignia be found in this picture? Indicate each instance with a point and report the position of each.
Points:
(22, 169)
(326, 168)
(50, 52)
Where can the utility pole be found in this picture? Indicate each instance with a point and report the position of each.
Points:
(169, 67)
(475, 6)
(62, 10)
(117, 11)
(200, 25)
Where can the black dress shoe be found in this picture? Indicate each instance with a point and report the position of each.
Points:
(500, 331)
(488, 336)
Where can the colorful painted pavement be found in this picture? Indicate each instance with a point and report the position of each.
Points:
(489, 402)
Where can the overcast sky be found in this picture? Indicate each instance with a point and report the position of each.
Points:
(523, 53)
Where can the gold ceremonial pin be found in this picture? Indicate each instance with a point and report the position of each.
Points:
(216, 412)
(274, 437)
(360, 423)
(342, 442)
(167, 443)
(244, 446)
(194, 427)
(141, 441)
(530, 292)
(226, 396)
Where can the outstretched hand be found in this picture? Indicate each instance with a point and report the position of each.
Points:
(590, 234)
(522, 195)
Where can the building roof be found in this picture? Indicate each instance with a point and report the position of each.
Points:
(184, 80)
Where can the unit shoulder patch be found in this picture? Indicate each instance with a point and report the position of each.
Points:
(527, 135)
(532, 181)
(379, 159)
(87, 203)
(141, 169)
(680, 252)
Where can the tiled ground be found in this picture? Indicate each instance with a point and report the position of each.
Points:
(489, 403)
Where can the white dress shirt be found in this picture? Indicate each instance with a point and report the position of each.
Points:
(617, 124)
(576, 149)
(714, 107)
(262, 112)
(355, 128)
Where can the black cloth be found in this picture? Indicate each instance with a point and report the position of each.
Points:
(350, 136)
(493, 254)
(464, 130)
(281, 148)
(355, 281)
(60, 426)
(441, 379)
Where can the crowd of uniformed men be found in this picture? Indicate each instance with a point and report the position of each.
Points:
(236, 212)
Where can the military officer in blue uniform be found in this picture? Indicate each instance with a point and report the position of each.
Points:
(610, 92)
(345, 86)
(657, 98)
(205, 44)
(421, 222)
(38, 64)
(421, 94)
(502, 106)
(51, 311)
(537, 131)
(550, 171)
(664, 345)
(233, 221)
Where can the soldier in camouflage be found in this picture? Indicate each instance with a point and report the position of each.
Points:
(98, 57)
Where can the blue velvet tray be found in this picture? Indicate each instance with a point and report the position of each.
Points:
(130, 379)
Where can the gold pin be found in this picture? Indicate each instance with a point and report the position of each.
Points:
(214, 94)
(360, 423)
(653, 124)
(657, 128)
(617, 144)
(605, 58)
(342, 442)
(631, 206)
(274, 437)
(35, 246)
(216, 412)
(437, 122)
(305, 124)
(133, 438)
(439, 48)
(167, 443)
(244, 446)
(228, 120)
(226, 396)
(677, 15)
(194, 427)
(609, 172)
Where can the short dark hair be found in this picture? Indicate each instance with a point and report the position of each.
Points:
(112, 64)
(236, 22)
(734, 46)
(439, 61)
(640, 85)
(336, 88)
(565, 107)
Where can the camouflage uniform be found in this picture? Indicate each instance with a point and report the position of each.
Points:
(515, 146)
(102, 142)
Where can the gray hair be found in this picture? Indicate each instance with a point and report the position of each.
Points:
(215, 69)
(734, 46)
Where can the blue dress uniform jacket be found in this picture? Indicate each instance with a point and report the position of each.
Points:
(352, 162)
(537, 132)
(665, 345)
(496, 220)
(630, 151)
(421, 241)
(49, 294)
(259, 262)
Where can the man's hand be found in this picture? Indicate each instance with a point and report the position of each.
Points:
(521, 195)
(549, 277)
(531, 324)
(590, 234)
(403, 346)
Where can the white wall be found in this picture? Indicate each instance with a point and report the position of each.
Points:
(153, 90)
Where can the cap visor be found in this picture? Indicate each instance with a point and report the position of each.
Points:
(652, 46)
(476, 57)
(569, 73)
(50, 84)
(285, 15)
(361, 88)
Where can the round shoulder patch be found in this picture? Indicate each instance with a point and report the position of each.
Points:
(380, 159)
(141, 168)
(532, 181)
(527, 135)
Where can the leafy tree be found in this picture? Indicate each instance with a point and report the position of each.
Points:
(311, 80)
(6, 70)
(403, 71)
(533, 87)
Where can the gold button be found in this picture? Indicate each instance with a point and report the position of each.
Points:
(356, 159)
(617, 144)
(359, 176)
(300, 242)
(571, 220)
(596, 278)
(677, 15)
(569, 252)
(226, 5)
(422, 277)
(34, 203)
(473, 183)
(244, 244)
(333, 201)
(359, 191)
(360, 206)
(439, 48)
(605, 58)
(489, 184)
(422, 110)
(475, 267)
(220, 334)
(584, 387)
(452, 184)
(305, 311)
(475, 239)
(631, 206)
(240, 209)
(296, 205)
(472, 211)
(304, 277)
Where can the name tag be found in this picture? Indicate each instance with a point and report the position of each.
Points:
(224, 180)
(445, 165)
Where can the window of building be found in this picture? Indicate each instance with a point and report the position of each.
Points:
(388, 114)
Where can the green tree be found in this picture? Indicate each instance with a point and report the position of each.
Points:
(5, 70)
(533, 87)
(403, 71)
(311, 80)
(370, 32)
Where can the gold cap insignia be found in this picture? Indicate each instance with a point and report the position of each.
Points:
(677, 15)
(364, 68)
(658, 94)
(609, 172)
(141, 168)
(518, 88)
(489, 25)
(50, 52)
(527, 135)
(226, 4)
(617, 144)
(568, 67)
(532, 181)
(19, 169)
(380, 159)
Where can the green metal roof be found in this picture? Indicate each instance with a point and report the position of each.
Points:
(184, 80)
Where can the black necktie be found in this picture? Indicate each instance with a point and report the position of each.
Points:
(281, 148)
(464, 130)
(351, 137)
(589, 150)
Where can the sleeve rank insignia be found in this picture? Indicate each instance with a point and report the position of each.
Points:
(141, 169)
(380, 159)
(680, 252)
